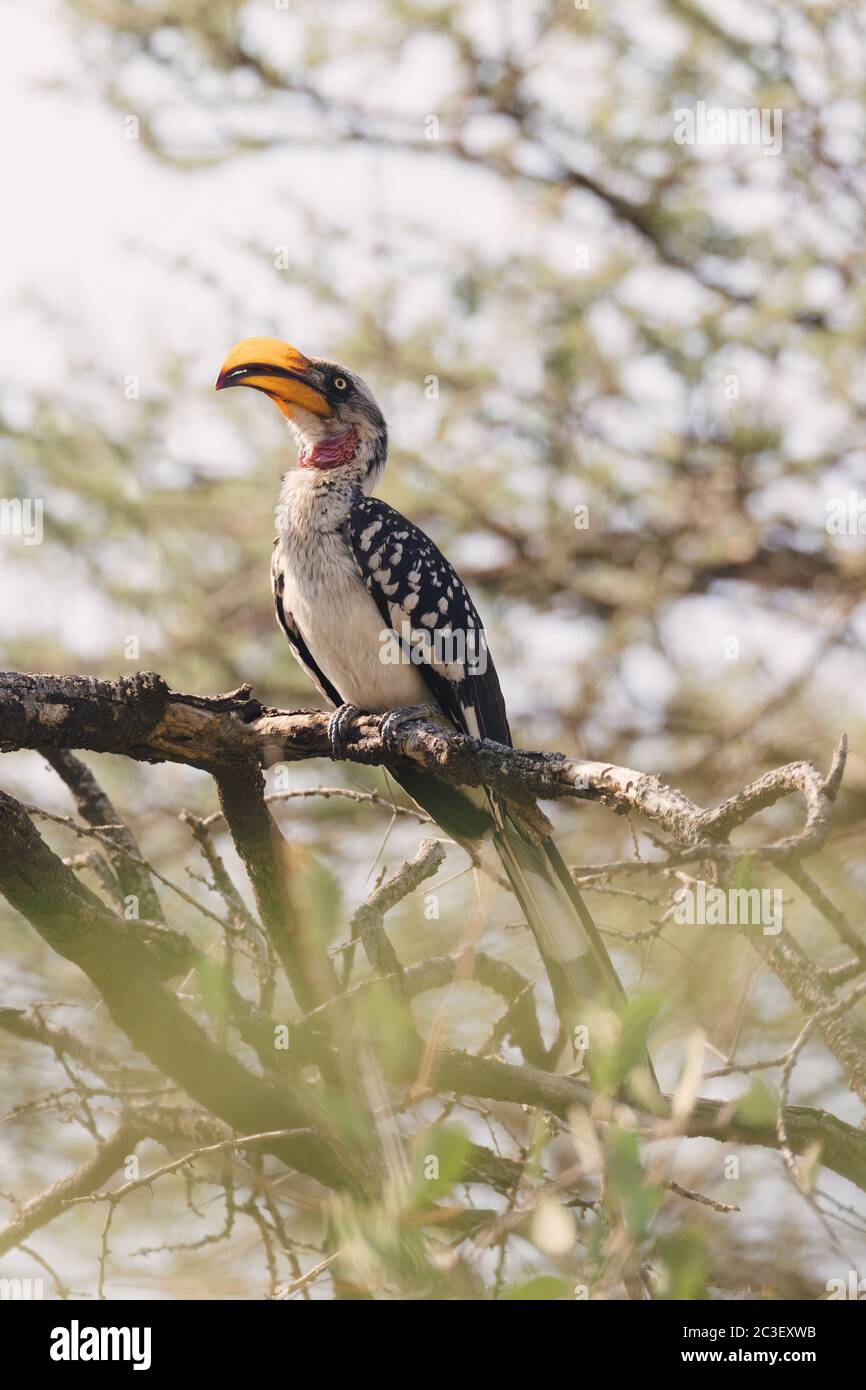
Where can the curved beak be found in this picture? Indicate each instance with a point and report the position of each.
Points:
(279, 370)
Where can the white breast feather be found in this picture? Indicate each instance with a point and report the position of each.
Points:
(330, 605)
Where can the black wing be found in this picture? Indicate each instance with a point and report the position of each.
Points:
(300, 650)
(426, 604)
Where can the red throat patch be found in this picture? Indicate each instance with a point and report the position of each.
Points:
(331, 452)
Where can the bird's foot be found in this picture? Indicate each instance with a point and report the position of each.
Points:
(339, 728)
(391, 724)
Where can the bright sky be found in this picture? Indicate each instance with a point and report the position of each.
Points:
(93, 225)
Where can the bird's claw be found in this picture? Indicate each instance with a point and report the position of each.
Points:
(391, 723)
(339, 728)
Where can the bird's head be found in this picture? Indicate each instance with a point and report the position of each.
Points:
(332, 412)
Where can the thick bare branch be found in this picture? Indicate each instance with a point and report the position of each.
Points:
(267, 858)
(81, 1182)
(815, 997)
(142, 718)
(368, 921)
(843, 1148)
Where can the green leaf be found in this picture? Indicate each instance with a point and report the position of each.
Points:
(438, 1162)
(544, 1288)
(759, 1106)
(317, 893)
(684, 1262)
(611, 1065)
(213, 988)
(744, 874)
(385, 1019)
(627, 1182)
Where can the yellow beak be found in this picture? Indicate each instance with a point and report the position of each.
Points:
(279, 370)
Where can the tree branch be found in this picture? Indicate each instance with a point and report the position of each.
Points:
(76, 925)
(81, 1182)
(96, 808)
(843, 1148)
(141, 717)
(232, 736)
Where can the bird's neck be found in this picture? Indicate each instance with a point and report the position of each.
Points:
(333, 472)
(332, 451)
(314, 501)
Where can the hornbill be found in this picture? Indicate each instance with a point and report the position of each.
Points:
(355, 585)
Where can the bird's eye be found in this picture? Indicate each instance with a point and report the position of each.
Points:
(340, 383)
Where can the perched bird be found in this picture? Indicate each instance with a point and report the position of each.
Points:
(381, 623)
